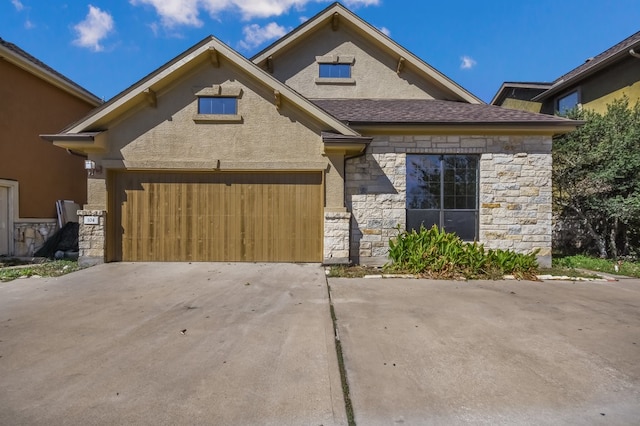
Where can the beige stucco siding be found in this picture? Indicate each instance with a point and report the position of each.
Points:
(169, 133)
(167, 137)
(374, 71)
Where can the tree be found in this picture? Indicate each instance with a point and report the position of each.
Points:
(596, 177)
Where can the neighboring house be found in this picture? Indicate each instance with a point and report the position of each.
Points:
(594, 84)
(35, 99)
(316, 150)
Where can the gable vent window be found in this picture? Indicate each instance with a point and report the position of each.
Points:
(335, 69)
(217, 105)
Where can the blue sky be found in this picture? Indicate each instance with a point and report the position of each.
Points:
(107, 45)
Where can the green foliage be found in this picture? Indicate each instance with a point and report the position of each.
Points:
(626, 268)
(48, 269)
(596, 177)
(438, 254)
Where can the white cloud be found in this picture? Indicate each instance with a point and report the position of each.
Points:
(467, 62)
(175, 12)
(186, 12)
(386, 31)
(358, 3)
(17, 4)
(95, 27)
(29, 25)
(255, 35)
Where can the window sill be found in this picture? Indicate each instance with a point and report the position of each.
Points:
(217, 118)
(345, 81)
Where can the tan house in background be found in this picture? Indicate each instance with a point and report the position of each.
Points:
(35, 99)
(594, 84)
(316, 150)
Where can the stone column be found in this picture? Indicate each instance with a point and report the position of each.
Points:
(336, 237)
(91, 237)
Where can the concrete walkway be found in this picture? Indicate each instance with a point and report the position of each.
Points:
(170, 344)
(421, 352)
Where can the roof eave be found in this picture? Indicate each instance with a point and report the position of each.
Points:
(467, 128)
(88, 142)
(520, 85)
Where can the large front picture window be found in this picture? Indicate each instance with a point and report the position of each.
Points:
(442, 190)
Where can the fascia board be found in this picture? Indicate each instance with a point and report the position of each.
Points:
(466, 129)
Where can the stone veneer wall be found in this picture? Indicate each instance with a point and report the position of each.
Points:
(514, 201)
(30, 235)
(91, 238)
(336, 237)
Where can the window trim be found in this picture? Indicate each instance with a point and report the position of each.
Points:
(335, 60)
(235, 104)
(441, 210)
(217, 91)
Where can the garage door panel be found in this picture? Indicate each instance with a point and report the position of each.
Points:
(217, 216)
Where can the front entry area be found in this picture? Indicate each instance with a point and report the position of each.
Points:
(221, 216)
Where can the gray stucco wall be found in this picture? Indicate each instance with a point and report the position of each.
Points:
(514, 201)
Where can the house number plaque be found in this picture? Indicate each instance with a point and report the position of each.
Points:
(91, 220)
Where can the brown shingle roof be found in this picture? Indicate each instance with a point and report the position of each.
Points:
(429, 111)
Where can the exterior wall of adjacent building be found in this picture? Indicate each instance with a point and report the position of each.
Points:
(514, 191)
(41, 172)
(595, 91)
(614, 82)
(600, 89)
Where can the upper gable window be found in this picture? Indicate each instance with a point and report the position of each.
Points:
(217, 105)
(568, 102)
(335, 69)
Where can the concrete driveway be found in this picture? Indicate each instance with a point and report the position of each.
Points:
(105, 346)
(423, 352)
(253, 344)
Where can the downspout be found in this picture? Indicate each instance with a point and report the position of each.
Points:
(344, 166)
(634, 54)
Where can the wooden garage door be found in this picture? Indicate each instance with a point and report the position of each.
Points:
(268, 217)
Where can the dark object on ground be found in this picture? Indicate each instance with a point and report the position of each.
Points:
(66, 239)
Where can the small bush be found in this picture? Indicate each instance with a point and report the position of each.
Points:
(438, 254)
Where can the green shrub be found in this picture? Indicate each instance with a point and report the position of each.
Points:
(438, 254)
